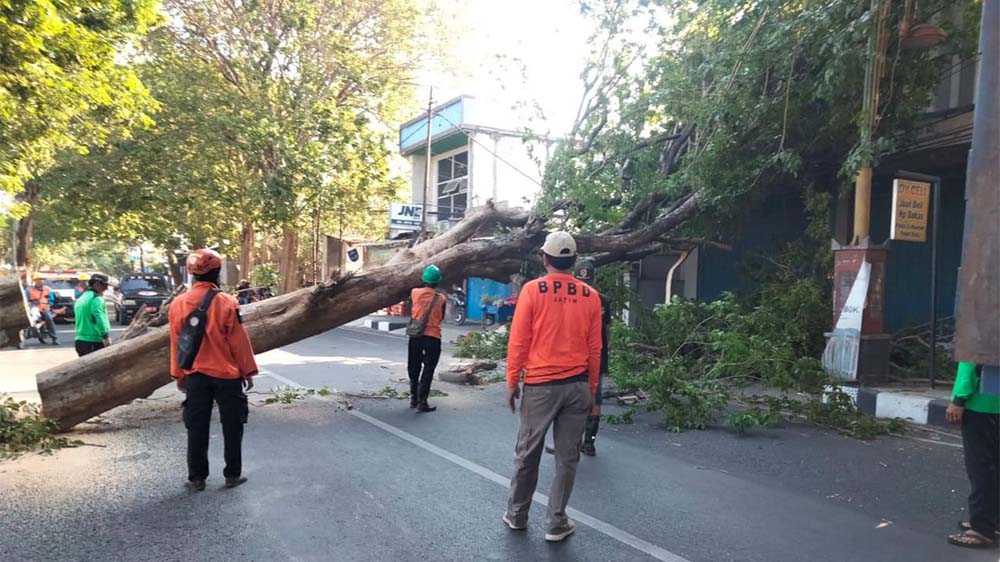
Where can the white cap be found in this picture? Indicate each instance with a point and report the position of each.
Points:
(559, 244)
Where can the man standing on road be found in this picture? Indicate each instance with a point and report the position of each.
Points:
(555, 343)
(93, 329)
(222, 365)
(43, 296)
(979, 415)
(81, 286)
(426, 314)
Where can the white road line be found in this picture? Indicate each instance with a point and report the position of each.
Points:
(280, 378)
(933, 442)
(608, 529)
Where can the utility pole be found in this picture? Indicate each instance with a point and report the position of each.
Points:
(427, 164)
(977, 310)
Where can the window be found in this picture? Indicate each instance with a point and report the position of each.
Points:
(452, 186)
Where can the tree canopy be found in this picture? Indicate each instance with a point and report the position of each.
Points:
(64, 79)
(767, 91)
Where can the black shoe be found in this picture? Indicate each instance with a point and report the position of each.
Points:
(55, 341)
(588, 448)
(234, 482)
(425, 407)
(196, 485)
(413, 402)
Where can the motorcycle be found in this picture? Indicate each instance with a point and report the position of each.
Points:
(37, 327)
(457, 302)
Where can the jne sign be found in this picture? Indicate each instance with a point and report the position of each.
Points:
(404, 216)
(910, 205)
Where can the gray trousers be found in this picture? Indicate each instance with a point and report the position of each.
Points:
(566, 407)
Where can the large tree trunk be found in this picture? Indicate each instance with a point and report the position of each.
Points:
(80, 389)
(289, 267)
(26, 226)
(88, 386)
(13, 311)
(246, 251)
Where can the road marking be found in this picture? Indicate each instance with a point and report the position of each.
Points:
(280, 378)
(598, 525)
(933, 442)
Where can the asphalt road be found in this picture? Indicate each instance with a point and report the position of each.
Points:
(380, 482)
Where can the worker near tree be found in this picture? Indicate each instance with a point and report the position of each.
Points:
(979, 414)
(585, 272)
(93, 329)
(43, 296)
(555, 346)
(81, 285)
(427, 306)
(221, 367)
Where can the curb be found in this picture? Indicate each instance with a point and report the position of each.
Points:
(921, 410)
(384, 325)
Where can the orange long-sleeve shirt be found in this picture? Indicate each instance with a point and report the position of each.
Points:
(225, 351)
(556, 332)
(421, 298)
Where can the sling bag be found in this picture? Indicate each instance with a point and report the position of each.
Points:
(416, 328)
(193, 332)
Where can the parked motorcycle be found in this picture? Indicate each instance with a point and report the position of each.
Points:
(457, 302)
(37, 327)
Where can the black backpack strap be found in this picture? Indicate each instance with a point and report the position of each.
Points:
(206, 301)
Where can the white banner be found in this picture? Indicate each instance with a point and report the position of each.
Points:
(404, 216)
(840, 358)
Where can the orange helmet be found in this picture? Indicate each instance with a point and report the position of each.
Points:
(202, 261)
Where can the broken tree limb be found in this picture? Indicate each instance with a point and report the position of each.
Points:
(80, 389)
(13, 311)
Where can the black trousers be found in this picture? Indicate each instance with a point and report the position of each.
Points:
(423, 359)
(86, 347)
(981, 440)
(202, 392)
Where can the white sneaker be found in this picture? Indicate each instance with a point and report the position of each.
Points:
(510, 523)
(556, 535)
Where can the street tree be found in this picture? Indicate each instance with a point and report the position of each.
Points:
(738, 99)
(273, 117)
(64, 84)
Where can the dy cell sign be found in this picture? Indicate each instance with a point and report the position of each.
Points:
(910, 204)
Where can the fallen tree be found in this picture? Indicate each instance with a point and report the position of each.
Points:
(78, 390)
(13, 312)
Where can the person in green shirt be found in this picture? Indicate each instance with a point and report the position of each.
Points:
(979, 415)
(93, 330)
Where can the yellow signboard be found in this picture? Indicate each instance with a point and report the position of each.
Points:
(910, 205)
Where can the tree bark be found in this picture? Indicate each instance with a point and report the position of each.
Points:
(13, 311)
(26, 226)
(289, 267)
(78, 390)
(246, 251)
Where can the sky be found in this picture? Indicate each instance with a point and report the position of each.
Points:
(488, 44)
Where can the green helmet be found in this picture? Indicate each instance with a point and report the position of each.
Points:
(432, 275)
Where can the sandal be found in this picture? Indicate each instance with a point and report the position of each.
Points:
(971, 539)
(966, 526)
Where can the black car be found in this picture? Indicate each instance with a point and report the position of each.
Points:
(138, 291)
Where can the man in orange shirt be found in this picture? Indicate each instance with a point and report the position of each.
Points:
(427, 307)
(222, 365)
(555, 343)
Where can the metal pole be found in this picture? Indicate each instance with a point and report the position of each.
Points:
(427, 164)
(936, 186)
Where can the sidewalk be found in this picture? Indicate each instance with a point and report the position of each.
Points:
(915, 404)
(397, 325)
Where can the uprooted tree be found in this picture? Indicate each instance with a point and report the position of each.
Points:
(773, 89)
